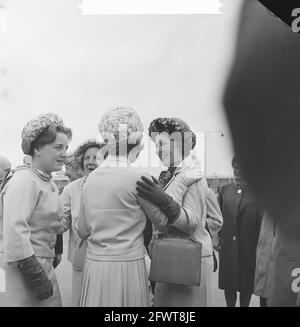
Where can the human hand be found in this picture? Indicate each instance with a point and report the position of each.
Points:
(152, 191)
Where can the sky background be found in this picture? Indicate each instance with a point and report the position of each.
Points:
(53, 59)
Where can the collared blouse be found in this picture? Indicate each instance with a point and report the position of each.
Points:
(30, 216)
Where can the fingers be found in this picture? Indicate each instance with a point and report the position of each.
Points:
(142, 192)
(144, 186)
(142, 196)
(147, 180)
(155, 180)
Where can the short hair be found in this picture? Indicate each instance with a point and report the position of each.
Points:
(100, 147)
(174, 125)
(129, 146)
(48, 136)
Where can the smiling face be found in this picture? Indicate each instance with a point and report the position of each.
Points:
(51, 157)
(91, 159)
(168, 150)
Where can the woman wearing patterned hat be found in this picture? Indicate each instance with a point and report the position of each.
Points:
(87, 157)
(187, 203)
(31, 216)
(112, 221)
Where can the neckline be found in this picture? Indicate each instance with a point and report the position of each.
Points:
(119, 161)
(45, 177)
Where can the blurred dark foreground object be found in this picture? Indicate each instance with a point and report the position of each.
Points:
(262, 103)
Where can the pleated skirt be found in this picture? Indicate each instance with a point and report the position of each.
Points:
(76, 286)
(115, 284)
(174, 295)
(18, 292)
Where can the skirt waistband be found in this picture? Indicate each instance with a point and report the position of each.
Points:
(127, 255)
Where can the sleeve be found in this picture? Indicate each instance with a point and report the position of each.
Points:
(59, 244)
(214, 217)
(22, 190)
(81, 225)
(67, 217)
(220, 200)
(153, 213)
(193, 205)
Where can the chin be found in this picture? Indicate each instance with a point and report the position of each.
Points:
(57, 168)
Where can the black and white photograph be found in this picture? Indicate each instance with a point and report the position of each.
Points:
(149, 155)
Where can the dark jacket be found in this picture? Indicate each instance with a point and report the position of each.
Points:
(238, 238)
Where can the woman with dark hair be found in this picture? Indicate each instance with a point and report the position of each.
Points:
(87, 157)
(31, 216)
(238, 239)
(184, 200)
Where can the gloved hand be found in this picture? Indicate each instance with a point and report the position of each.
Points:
(34, 272)
(154, 192)
(57, 260)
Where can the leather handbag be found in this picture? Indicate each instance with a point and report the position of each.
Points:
(176, 260)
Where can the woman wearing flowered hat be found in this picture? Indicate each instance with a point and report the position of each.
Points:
(187, 203)
(86, 157)
(112, 221)
(31, 216)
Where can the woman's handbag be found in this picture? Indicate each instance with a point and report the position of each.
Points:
(176, 260)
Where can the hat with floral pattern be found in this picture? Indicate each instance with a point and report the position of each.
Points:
(121, 124)
(35, 127)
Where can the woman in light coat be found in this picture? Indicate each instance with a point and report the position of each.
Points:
(31, 216)
(174, 141)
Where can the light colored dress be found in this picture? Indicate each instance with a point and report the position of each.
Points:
(200, 206)
(71, 205)
(112, 221)
(30, 218)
